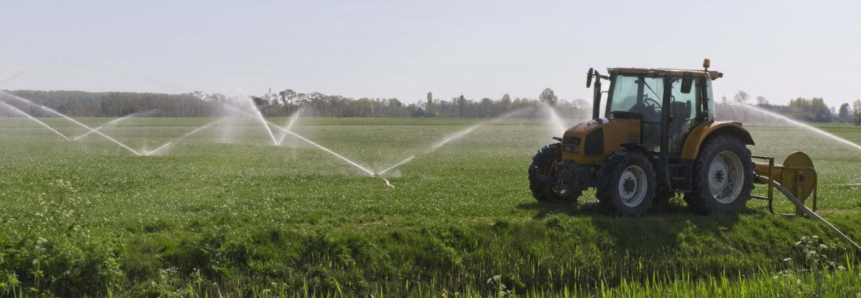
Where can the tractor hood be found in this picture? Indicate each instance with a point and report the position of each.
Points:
(590, 142)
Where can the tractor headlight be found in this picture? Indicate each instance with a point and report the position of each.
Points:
(571, 145)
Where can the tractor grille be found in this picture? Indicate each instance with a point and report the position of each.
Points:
(595, 142)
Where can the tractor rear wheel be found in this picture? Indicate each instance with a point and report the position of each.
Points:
(722, 176)
(626, 183)
(542, 174)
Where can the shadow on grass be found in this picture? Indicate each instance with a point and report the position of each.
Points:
(593, 209)
(664, 229)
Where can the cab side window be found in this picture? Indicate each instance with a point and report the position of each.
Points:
(684, 105)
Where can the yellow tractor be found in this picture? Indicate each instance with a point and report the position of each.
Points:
(658, 137)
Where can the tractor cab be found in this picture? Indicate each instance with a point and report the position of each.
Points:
(681, 99)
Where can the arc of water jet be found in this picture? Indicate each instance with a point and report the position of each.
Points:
(268, 129)
(263, 121)
(156, 150)
(34, 119)
(281, 140)
(457, 135)
(396, 165)
(811, 128)
(453, 137)
(554, 118)
(327, 150)
(103, 125)
(290, 125)
(73, 120)
(364, 169)
(196, 130)
(177, 140)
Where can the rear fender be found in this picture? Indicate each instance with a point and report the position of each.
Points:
(701, 132)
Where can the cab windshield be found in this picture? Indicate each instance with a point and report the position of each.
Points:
(639, 95)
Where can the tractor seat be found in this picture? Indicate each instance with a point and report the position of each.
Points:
(682, 111)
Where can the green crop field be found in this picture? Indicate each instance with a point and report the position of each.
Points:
(224, 212)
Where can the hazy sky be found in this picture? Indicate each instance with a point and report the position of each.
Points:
(404, 49)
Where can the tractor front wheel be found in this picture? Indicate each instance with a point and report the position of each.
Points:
(543, 177)
(626, 183)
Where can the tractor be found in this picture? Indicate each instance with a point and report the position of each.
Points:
(657, 138)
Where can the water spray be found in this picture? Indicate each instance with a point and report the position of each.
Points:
(558, 124)
(802, 125)
(369, 172)
(71, 119)
(34, 119)
(453, 137)
(177, 140)
(395, 165)
(107, 124)
(290, 123)
(267, 123)
(263, 121)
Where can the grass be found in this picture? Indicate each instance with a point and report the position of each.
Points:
(226, 213)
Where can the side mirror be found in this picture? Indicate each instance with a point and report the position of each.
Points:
(687, 82)
(589, 78)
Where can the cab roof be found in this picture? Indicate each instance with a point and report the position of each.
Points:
(666, 71)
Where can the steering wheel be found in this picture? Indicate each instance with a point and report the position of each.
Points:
(651, 109)
(654, 104)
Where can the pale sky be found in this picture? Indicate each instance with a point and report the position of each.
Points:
(403, 49)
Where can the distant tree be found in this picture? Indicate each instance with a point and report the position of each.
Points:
(741, 97)
(429, 109)
(287, 97)
(856, 111)
(723, 100)
(503, 105)
(259, 101)
(580, 103)
(843, 113)
(811, 110)
(461, 103)
(548, 96)
(486, 106)
(761, 101)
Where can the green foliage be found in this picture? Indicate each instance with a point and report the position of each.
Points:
(251, 219)
(856, 112)
(810, 110)
(844, 113)
(51, 248)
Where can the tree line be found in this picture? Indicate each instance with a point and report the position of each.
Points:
(283, 103)
(804, 109)
(287, 102)
(109, 104)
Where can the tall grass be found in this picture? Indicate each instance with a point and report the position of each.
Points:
(247, 219)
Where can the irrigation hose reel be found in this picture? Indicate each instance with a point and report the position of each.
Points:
(796, 174)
